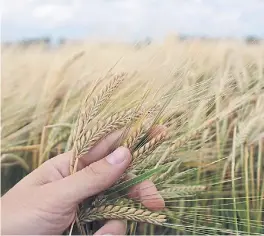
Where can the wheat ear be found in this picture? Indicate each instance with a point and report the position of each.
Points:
(87, 139)
(171, 171)
(182, 190)
(20, 148)
(101, 99)
(91, 110)
(183, 140)
(63, 136)
(138, 134)
(134, 135)
(123, 212)
(171, 119)
(149, 147)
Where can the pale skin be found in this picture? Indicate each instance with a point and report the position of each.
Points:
(46, 200)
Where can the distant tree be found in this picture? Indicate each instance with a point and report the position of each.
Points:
(148, 41)
(35, 41)
(62, 41)
(252, 40)
(46, 40)
(183, 37)
(141, 44)
(7, 44)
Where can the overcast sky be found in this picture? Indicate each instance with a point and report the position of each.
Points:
(131, 19)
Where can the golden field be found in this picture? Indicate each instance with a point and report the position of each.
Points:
(209, 94)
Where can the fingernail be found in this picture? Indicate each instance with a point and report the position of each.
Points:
(118, 156)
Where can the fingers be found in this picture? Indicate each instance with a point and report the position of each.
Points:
(113, 227)
(59, 166)
(147, 193)
(99, 151)
(102, 149)
(94, 178)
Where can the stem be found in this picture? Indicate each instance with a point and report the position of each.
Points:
(247, 187)
(233, 179)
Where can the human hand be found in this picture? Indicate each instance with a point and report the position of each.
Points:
(46, 200)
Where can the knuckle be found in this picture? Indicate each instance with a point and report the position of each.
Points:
(92, 170)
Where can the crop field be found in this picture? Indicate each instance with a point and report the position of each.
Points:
(191, 112)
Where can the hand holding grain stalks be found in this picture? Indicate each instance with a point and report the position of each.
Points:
(49, 195)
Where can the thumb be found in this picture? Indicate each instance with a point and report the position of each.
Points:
(94, 178)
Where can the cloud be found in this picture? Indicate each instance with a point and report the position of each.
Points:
(53, 15)
(132, 19)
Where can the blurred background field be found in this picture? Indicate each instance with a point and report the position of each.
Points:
(43, 86)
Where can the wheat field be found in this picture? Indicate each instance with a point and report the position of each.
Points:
(204, 99)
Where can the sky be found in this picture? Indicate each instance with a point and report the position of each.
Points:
(130, 19)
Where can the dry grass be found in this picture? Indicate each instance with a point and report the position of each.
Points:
(191, 112)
